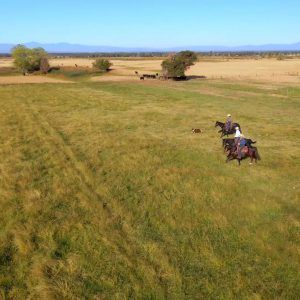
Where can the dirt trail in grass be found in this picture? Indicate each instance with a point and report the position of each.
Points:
(121, 240)
(29, 79)
(90, 189)
(112, 77)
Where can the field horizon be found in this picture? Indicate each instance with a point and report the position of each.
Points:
(240, 69)
(80, 48)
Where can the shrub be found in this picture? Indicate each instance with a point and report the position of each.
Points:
(28, 60)
(102, 64)
(177, 64)
(280, 57)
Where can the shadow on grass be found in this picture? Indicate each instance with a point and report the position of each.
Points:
(80, 74)
(195, 77)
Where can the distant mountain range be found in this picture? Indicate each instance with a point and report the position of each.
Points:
(77, 48)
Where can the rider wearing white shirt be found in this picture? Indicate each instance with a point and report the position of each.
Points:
(237, 135)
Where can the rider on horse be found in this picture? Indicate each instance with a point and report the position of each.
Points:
(237, 135)
(228, 123)
(241, 144)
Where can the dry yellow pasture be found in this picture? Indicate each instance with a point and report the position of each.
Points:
(261, 70)
(272, 70)
(266, 70)
(6, 62)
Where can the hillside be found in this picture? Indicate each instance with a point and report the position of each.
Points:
(79, 48)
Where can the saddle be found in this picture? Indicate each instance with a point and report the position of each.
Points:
(245, 149)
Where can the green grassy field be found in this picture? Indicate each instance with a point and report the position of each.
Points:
(106, 194)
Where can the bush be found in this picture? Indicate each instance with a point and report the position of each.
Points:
(177, 64)
(102, 64)
(280, 57)
(28, 60)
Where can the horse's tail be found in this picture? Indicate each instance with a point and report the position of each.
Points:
(257, 154)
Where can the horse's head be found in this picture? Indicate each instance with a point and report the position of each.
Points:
(219, 124)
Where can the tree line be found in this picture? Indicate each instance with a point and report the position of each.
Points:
(36, 60)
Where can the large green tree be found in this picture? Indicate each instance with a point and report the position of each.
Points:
(177, 64)
(28, 60)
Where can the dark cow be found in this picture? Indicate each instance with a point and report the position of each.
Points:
(152, 76)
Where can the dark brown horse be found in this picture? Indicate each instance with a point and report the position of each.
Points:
(229, 144)
(227, 132)
(251, 152)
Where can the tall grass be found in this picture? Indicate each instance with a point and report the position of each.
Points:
(106, 194)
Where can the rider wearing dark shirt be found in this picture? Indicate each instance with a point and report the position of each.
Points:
(241, 145)
(228, 123)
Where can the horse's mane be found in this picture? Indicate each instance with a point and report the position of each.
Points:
(220, 123)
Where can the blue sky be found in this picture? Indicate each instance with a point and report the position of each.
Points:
(151, 23)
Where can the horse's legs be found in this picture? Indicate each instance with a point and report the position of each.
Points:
(251, 160)
(229, 158)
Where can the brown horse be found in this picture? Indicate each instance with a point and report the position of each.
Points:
(223, 129)
(251, 152)
(229, 144)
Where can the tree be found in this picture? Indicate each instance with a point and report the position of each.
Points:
(44, 65)
(102, 64)
(173, 67)
(20, 54)
(28, 60)
(177, 64)
(188, 57)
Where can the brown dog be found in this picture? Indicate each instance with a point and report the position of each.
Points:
(196, 130)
